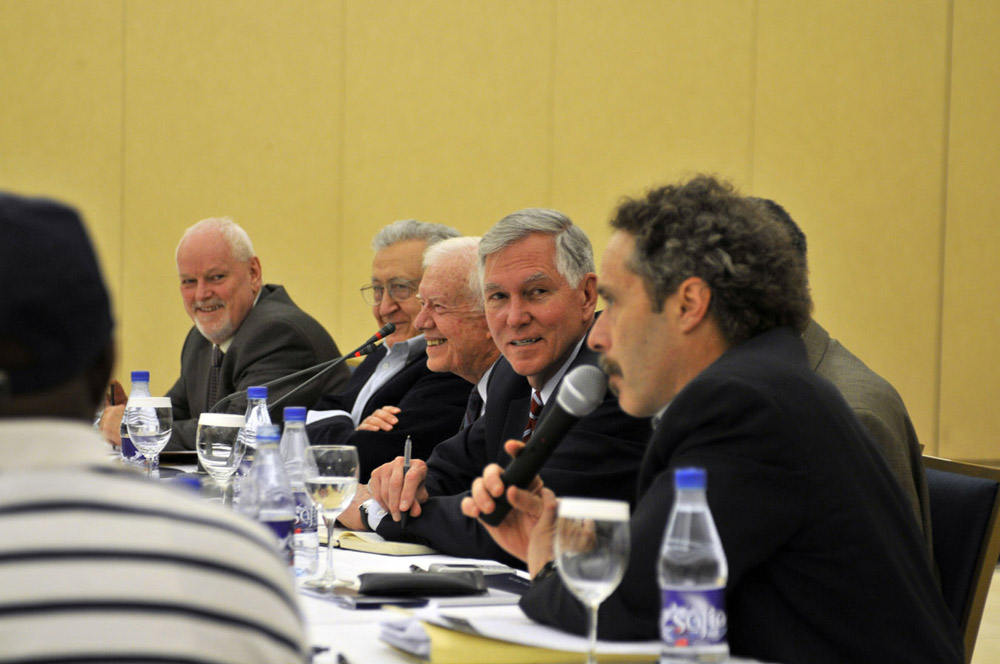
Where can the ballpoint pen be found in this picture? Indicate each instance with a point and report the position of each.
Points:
(407, 450)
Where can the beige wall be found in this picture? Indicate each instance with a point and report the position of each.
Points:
(876, 124)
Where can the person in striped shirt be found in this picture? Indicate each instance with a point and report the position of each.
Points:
(97, 563)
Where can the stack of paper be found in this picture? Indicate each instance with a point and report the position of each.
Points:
(502, 635)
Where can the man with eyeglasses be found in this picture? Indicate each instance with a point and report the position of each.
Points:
(394, 384)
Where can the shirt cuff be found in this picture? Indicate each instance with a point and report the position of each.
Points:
(374, 513)
(317, 415)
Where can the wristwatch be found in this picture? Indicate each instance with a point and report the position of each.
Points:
(548, 569)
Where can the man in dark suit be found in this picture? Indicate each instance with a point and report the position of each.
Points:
(872, 398)
(394, 384)
(245, 333)
(540, 294)
(706, 299)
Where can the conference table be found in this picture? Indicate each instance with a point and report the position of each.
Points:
(340, 635)
(346, 636)
(343, 635)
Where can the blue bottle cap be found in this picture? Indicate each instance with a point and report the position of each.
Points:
(140, 376)
(189, 482)
(257, 392)
(295, 414)
(269, 432)
(689, 478)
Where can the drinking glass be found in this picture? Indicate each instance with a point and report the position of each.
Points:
(219, 448)
(592, 548)
(150, 422)
(331, 477)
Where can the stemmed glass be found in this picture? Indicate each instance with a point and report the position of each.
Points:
(219, 448)
(592, 548)
(331, 476)
(150, 422)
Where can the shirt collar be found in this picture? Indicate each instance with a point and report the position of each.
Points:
(485, 380)
(552, 383)
(224, 346)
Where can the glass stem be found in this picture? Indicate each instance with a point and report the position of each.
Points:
(154, 465)
(592, 634)
(329, 575)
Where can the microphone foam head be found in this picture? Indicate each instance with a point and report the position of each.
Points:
(388, 329)
(582, 390)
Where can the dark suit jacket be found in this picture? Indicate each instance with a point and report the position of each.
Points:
(880, 408)
(825, 565)
(275, 339)
(599, 457)
(432, 406)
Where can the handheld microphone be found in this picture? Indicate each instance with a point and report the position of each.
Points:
(323, 367)
(581, 391)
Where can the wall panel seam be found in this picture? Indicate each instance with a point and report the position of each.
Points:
(937, 415)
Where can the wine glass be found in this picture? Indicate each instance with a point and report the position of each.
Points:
(219, 448)
(150, 422)
(331, 476)
(592, 548)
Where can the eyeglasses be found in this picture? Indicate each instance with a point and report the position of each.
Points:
(399, 290)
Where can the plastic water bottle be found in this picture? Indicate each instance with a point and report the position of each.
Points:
(692, 573)
(127, 451)
(305, 540)
(256, 417)
(273, 495)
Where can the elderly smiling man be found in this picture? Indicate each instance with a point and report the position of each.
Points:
(245, 332)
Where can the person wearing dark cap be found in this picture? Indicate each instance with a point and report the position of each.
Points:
(872, 398)
(100, 571)
(245, 333)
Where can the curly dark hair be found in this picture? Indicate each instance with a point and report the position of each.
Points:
(703, 228)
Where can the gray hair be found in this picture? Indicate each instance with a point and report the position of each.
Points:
(411, 229)
(460, 248)
(574, 255)
(240, 247)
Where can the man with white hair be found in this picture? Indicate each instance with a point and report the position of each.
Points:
(245, 333)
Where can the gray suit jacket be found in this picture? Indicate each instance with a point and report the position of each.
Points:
(275, 339)
(881, 410)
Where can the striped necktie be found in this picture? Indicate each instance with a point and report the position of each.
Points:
(214, 377)
(536, 409)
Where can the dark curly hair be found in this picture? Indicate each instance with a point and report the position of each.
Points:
(703, 228)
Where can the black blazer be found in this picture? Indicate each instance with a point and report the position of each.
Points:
(826, 563)
(275, 339)
(599, 457)
(432, 406)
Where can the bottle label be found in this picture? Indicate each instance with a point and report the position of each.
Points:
(282, 529)
(305, 513)
(693, 618)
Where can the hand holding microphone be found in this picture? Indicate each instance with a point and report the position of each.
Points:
(581, 391)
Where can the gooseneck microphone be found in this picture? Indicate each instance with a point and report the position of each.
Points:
(581, 391)
(322, 368)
